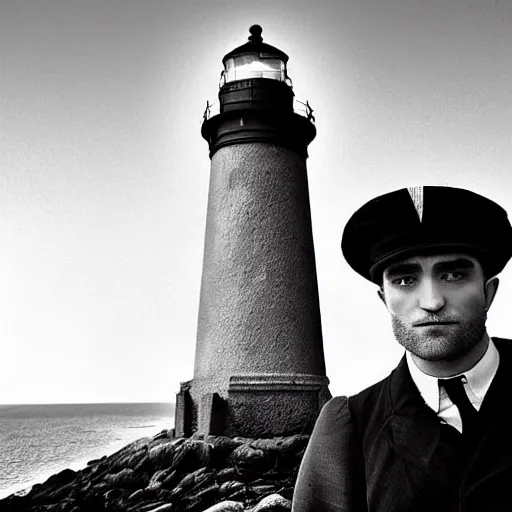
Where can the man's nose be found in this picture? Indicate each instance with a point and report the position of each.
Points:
(431, 297)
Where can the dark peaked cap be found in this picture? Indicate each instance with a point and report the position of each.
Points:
(419, 220)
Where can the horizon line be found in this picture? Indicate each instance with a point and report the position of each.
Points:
(87, 403)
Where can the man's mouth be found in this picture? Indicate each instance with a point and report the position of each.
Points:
(427, 324)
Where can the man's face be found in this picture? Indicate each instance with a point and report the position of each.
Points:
(438, 304)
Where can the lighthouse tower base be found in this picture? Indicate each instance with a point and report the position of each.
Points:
(253, 406)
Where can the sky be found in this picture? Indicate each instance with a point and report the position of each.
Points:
(104, 173)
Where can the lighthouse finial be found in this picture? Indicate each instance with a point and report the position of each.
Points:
(255, 36)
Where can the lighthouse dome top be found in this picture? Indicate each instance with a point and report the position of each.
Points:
(255, 59)
(256, 45)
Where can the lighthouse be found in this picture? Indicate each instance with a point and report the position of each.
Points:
(259, 366)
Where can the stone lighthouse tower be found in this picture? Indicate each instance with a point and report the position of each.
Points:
(259, 364)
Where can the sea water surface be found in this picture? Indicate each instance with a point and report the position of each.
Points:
(37, 441)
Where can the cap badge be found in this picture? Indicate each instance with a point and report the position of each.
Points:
(416, 194)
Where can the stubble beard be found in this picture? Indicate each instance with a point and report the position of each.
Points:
(441, 344)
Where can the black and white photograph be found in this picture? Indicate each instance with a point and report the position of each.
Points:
(255, 255)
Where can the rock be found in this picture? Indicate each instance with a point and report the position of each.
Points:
(96, 461)
(136, 496)
(127, 479)
(243, 440)
(230, 487)
(240, 495)
(227, 474)
(212, 490)
(273, 503)
(127, 459)
(117, 504)
(146, 507)
(171, 480)
(221, 447)
(226, 506)
(162, 435)
(295, 443)
(161, 455)
(223, 443)
(97, 472)
(61, 478)
(197, 502)
(113, 494)
(191, 455)
(168, 507)
(50, 494)
(99, 488)
(197, 480)
(158, 477)
(263, 490)
(248, 475)
(247, 457)
(128, 449)
(183, 486)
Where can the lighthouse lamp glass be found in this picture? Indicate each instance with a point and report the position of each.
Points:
(244, 67)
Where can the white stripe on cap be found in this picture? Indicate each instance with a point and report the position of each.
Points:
(416, 194)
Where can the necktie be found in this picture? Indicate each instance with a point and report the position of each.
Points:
(469, 415)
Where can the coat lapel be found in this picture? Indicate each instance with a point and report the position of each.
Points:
(414, 429)
(493, 455)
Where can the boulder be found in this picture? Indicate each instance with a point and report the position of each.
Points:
(198, 501)
(136, 496)
(247, 457)
(226, 506)
(158, 477)
(127, 479)
(191, 455)
(296, 444)
(127, 459)
(227, 474)
(263, 490)
(93, 462)
(129, 449)
(161, 456)
(61, 478)
(196, 480)
(230, 487)
(113, 494)
(162, 435)
(223, 443)
(171, 480)
(148, 506)
(167, 507)
(273, 503)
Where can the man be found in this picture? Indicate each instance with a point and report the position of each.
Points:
(436, 434)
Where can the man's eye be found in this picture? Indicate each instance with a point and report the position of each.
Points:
(404, 282)
(453, 276)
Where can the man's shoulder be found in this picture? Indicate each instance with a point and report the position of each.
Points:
(502, 343)
(343, 412)
(504, 346)
(370, 403)
(372, 392)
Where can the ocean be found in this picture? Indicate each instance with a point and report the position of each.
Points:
(37, 441)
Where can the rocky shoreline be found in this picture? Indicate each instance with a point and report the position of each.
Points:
(168, 474)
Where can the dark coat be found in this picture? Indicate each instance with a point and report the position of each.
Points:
(385, 450)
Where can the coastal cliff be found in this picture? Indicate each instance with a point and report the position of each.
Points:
(168, 474)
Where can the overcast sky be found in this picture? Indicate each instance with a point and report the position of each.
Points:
(104, 174)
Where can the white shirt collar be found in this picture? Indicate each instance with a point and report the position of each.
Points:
(479, 377)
